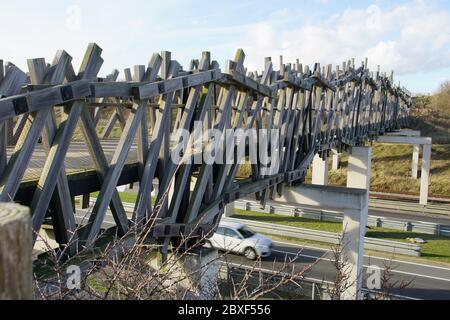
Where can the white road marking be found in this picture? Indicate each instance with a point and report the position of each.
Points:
(371, 257)
(366, 266)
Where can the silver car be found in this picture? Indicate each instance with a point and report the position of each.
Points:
(238, 238)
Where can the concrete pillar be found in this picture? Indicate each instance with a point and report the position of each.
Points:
(320, 171)
(336, 158)
(425, 179)
(354, 204)
(204, 267)
(426, 164)
(359, 168)
(230, 210)
(354, 232)
(415, 162)
(195, 273)
(355, 221)
(85, 201)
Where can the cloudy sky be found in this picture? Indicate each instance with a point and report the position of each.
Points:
(410, 37)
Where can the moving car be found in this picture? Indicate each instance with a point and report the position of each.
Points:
(238, 238)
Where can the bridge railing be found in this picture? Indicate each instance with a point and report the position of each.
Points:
(312, 110)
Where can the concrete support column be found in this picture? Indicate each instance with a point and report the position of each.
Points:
(196, 272)
(354, 232)
(336, 159)
(355, 221)
(354, 204)
(204, 267)
(230, 210)
(359, 168)
(416, 141)
(415, 162)
(320, 171)
(425, 179)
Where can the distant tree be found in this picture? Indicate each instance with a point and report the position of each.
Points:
(441, 101)
(422, 101)
(444, 87)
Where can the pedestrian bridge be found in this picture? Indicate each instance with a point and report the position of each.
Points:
(67, 134)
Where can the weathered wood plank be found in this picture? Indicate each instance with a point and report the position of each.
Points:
(112, 177)
(16, 271)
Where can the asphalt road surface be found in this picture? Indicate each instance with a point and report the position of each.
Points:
(428, 282)
(411, 216)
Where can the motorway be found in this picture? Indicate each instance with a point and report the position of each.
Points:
(398, 215)
(428, 282)
(410, 216)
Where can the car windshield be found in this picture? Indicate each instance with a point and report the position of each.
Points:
(246, 232)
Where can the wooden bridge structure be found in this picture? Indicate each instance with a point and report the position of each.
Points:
(54, 135)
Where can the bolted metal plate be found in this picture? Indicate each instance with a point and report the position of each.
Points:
(20, 105)
(67, 93)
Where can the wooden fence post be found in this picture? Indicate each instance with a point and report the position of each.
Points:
(16, 279)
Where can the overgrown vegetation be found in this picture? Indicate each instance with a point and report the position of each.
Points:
(431, 115)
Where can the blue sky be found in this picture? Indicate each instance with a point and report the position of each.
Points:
(410, 37)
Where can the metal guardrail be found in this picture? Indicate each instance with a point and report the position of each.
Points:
(393, 205)
(320, 236)
(392, 247)
(335, 216)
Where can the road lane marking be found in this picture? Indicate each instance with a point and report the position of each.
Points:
(366, 256)
(323, 281)
(366, 266)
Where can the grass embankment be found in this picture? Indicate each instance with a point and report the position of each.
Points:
(436, 248)
(391, 170)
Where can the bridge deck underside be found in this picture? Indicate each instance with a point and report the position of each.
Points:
(77, 160)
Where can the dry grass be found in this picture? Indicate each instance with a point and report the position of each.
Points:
(391, 170)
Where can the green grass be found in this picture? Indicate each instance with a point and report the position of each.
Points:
(391, 170)
(126, 197)
(436, 248)
(289, 221)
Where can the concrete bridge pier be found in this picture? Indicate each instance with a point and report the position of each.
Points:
(415, 162)
(320, 171)
(229, 210)
(353, 201)
(413, 138)
(354, 204)
(336, 160)
(359, 168)
(197, 271)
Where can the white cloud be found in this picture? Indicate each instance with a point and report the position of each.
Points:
(413, 37)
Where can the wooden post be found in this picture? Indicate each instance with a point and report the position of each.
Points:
(16, 282)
